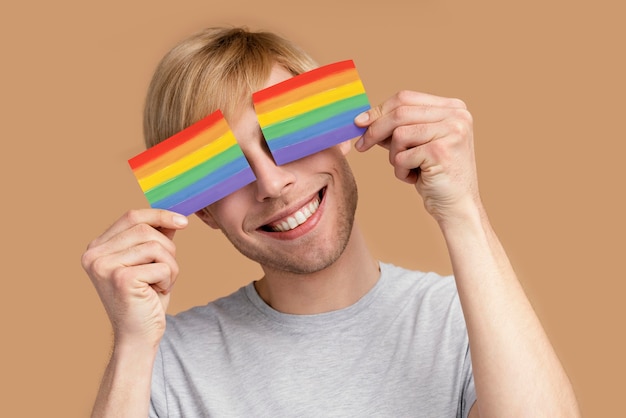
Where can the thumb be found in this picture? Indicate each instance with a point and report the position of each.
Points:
(365, 119)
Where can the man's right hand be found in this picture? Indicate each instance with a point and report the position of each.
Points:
(133, 267)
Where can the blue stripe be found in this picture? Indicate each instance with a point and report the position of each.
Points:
(206, 182)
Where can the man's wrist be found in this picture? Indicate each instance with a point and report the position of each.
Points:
(135, 351)
(468, 215)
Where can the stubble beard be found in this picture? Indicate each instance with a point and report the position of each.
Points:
(315, 255)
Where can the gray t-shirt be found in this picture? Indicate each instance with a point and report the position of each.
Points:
(400, 351)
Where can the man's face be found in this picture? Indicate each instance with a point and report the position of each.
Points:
(296, 217)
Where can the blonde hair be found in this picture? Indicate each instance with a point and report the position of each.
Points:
(217, 68)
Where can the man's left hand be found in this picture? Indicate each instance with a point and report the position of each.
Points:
(430, 144)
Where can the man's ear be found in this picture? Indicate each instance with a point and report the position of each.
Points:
(207, 218)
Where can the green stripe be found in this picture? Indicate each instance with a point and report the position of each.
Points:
(194, 174)
(287, 126)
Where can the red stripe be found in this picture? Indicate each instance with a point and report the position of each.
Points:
(175, 140)
(301, 80)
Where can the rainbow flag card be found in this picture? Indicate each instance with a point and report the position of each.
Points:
(194, 168)
(311, 111)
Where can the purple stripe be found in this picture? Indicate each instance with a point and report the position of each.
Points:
(318, 143)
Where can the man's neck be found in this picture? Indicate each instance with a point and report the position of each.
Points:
(337, 286)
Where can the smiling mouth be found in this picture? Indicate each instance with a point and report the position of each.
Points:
(297, 218)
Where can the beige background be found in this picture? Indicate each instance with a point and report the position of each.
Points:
(543, 79)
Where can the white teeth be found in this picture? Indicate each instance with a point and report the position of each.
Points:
(300, 218)
(297, 218)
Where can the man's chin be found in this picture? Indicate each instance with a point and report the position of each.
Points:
(297, 265)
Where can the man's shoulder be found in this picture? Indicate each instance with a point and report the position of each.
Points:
(415, 281)
(426, 293)
(429, 299)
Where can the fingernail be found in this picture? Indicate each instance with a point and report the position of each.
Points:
(359, 143)
(180, 220)
(362, 118)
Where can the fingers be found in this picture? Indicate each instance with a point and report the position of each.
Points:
(408, 98)
(149, 262)
(406, 108)
(136, 235)
(131, 269)
(140, 237)
(409, 145)
(164, 220)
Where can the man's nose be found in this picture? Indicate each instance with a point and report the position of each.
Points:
(271, 180)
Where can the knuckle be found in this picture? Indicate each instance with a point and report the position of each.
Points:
(174, 271)
(161, 270)
(466, 115)
(166, 273)
(98, 266)
(396, 161)
(162, 246)
(462, 125)
(153, 246)
(401, 173)
(119, 278)
(399, 159)
(458, 127)
(404, 131)
(458, 103)
(405, 96)
(91, 245)
(143, 230)
(133, 216)
(440, 152)
(86, 259)
(402, 113)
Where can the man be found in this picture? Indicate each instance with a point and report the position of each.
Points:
(328, 330)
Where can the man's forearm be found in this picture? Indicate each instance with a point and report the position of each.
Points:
(516, 370)
(125, 387)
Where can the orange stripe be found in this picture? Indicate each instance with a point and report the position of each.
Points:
(201, 139)
(332, 81)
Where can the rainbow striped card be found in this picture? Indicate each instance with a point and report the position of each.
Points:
(311, 111)
(194, 168)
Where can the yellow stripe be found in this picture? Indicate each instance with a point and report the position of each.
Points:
(326, 83)
(311, 102)
(187, 162)
(217, 130)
